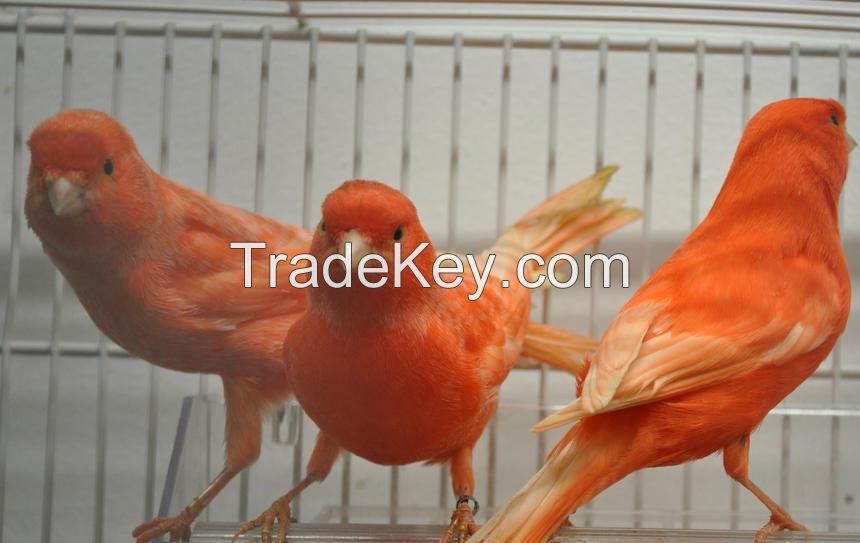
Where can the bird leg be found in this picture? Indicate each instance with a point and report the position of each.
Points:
(179, 527)
(462, 524)
(322, 459)
(279, 511)
(736, 463)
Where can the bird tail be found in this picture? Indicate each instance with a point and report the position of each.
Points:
(586, 461)
(573, 219)
(557, 347)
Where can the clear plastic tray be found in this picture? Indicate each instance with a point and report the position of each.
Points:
(362, 510)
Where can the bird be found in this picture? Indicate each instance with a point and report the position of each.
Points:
(742, 312)
(152, 264)
(408, 372)
(150, 261)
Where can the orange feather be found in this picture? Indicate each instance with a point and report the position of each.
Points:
(742, 313)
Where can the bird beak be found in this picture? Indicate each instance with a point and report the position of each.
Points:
(358, 246)
(67, 199)
(852, 143)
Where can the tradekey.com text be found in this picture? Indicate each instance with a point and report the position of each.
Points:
(374, 270)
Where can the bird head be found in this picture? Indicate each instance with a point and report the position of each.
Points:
(87, 184)
(807, 129)
(369, 217)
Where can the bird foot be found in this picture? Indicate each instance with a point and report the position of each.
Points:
(462, 524)
(179, 528)
(778, 523)
(279, 511)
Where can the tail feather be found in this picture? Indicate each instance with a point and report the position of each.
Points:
(558, 348)
(575, 472)
(567, 222)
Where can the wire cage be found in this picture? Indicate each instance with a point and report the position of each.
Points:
(477, 110)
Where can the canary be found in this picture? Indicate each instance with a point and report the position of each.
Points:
(743, 312)
(151, 262)
(410, 372)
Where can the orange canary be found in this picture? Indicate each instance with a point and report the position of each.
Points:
(151, 262)
(742, 313)
(412, 373)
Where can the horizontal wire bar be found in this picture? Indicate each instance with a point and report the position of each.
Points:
(153, 7)
(610, 17)
(754, 7)
(81, 349)
(404, 7)
(764, 45)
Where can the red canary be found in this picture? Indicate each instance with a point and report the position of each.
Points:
(742, 313)
(151, 262)
(411, 373)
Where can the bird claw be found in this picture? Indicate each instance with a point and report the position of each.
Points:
(462, 524)
(778, 523)
(179, 528)
(279, 511)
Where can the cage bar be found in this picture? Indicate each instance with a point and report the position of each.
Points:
(552, 149)
(14, 255)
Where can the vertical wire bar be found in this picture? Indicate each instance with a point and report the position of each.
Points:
(14, 254)
(163, 166)
(454, 163)
(358, 128)
(695, 213)
(835, 428)
(102, 394)
(405, 164)
(552, 146)
(211, 177)
(101, 442)
(501, 204)
(600, 142)
(406, 127)
(647, 207)
(746, 82)
(794, 50)
(56, 324)
(734, 489)
(453, 182)
(785, 464)
(211, 165)
(262, 113)
(259, 186)
(313, 43)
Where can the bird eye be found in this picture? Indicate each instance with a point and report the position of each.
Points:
(834, 120)
(398, 233)
(322, 226)
(108, 167)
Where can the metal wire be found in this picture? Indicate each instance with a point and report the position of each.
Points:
(405, 170)
(163, 167)
(358, 130)
(453, 185)
(647, 213)
(551, 165)
(56, 325)
(765, 45)
(695, 205)
(14, 257)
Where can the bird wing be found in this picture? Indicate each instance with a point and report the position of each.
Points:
(208, 278)
(684, 331)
